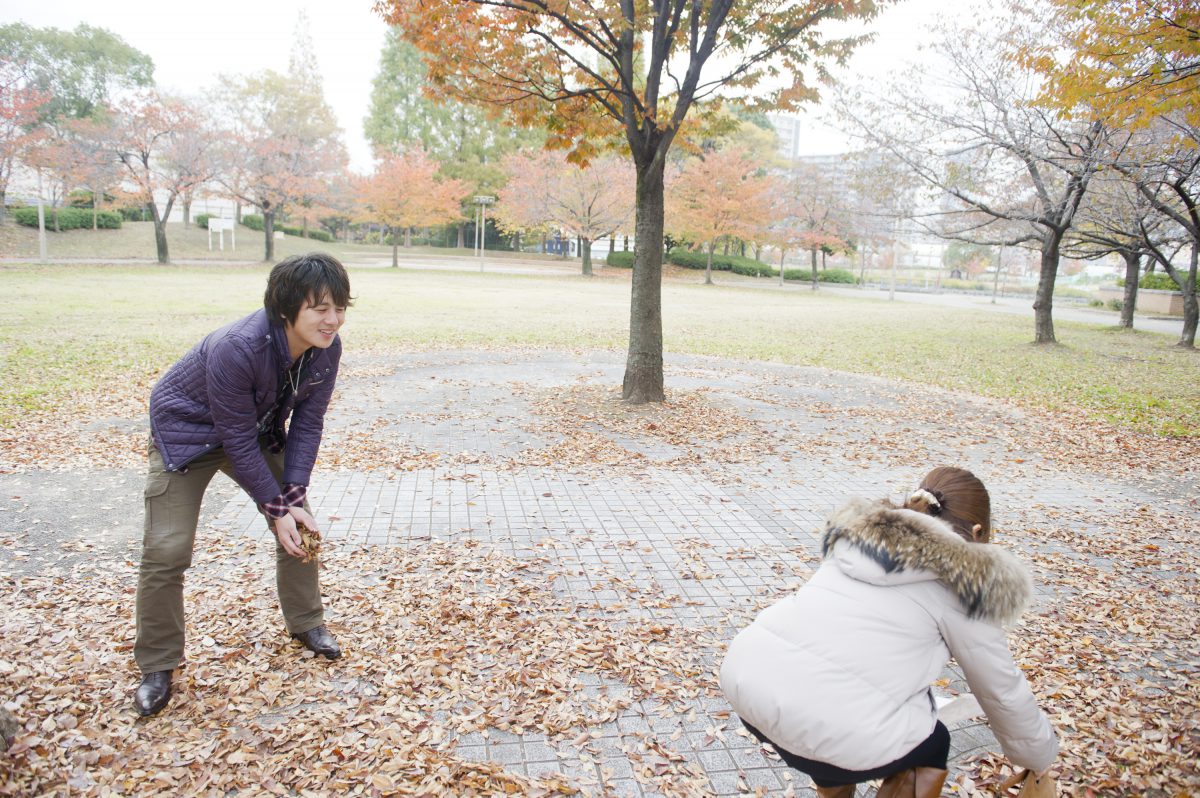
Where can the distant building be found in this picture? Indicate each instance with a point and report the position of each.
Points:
(787, 134)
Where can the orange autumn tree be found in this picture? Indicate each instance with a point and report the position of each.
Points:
(720, 195)
(591, 73)
(406, 192)
(1129, 63)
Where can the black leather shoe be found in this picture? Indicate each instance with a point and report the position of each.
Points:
(319, 641)
(153, 693)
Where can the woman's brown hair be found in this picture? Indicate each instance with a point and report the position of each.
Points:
(957, 497)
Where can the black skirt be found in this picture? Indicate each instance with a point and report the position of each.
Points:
(932, 753)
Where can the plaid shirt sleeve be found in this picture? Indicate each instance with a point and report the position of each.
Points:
(293, 496)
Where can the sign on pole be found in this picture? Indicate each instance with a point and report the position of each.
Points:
(482, 201)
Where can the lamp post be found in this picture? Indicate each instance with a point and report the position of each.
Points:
(481, 203)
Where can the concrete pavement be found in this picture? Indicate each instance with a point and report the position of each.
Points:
(716, 499)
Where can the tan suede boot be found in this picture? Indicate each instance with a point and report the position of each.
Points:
(846, 791)
(913, 783)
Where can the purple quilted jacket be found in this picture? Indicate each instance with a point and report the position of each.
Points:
(221, 393)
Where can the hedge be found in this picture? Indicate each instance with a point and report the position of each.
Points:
(255, 222)
(1157, 281)
(736, 264)
(68, 218)
(135, 213)
(317, 235)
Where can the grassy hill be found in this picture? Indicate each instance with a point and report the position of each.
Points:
(186, 243)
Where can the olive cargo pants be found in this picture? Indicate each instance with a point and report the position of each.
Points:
(172, 513)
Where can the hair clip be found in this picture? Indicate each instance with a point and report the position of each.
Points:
(932, 502)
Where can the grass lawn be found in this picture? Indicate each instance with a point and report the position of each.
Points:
(75, 328)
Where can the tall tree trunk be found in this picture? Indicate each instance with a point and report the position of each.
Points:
(3, 213)
(585, 250)
(1191, 311)
(160, 231)
(643, 381)
(782, 255)
(187, 212)
(814, 268)
(708, 265)
(407, 239)
(268, 214)
(395, 248)
(462, 242)
(1133, 261)
(1043, 306)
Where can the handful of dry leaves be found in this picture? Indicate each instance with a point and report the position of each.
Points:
(310, 542)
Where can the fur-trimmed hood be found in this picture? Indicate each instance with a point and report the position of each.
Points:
(989, 581)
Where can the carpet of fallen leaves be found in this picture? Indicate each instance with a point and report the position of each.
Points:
(439, 641)
(446, 641)
(1114, 656)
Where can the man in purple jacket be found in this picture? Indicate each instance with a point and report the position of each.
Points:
(223, 407)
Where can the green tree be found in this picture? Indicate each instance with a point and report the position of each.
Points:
(400, 114)
(467, 144)
(81, 71)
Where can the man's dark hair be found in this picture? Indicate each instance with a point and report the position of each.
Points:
(301, 277)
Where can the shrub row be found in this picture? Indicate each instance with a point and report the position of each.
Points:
(1155, 281)
(134, 213)
(823, 275)
(736, 264)
(68, 218)
(255, 222)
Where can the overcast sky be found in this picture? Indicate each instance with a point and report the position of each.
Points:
(192, 42)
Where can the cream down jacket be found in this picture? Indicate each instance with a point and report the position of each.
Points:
(839, 672)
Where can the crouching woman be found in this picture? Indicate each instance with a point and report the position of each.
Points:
(837, 675)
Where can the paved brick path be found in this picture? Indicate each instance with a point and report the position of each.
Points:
(673, 519)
